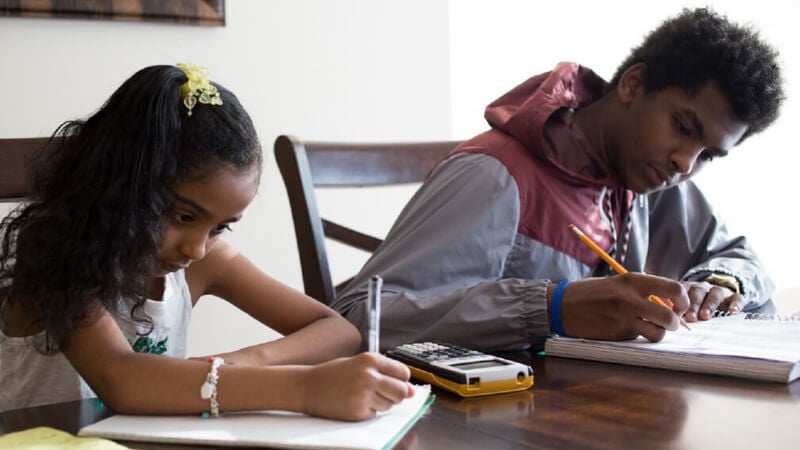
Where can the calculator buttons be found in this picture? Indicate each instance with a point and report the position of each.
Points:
(431, 351)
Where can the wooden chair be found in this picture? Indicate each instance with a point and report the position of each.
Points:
(14, 157)
(305, 166)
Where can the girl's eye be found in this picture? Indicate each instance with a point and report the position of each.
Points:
(183, 217)
(680, 127)
(221, 228)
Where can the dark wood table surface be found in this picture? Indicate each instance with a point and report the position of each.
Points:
(573, 404)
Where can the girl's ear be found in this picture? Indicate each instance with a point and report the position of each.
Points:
(631, 83)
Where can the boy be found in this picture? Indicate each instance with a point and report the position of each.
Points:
(482, 256)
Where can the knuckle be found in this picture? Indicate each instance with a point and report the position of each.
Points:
(370, 358)
(368, 378)
(658, 335)
(364, 360)
(716, 295)
(678, 288)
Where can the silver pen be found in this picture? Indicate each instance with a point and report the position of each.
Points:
(374, 312)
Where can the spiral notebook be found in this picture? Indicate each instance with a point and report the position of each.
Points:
(274, 429)
(753, 346)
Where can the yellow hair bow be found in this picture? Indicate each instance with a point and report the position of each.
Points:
(198, 88)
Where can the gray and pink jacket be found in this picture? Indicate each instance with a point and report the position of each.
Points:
(469, 259)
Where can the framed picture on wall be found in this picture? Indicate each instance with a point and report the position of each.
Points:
(190, 12)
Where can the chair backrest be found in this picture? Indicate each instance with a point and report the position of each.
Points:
(307, 165)
(14, 170)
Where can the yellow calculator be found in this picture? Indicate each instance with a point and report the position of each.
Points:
(468, 373)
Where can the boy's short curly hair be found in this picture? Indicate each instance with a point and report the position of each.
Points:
(698, 46)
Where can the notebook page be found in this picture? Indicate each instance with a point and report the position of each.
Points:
(278, 429)
(730, 336)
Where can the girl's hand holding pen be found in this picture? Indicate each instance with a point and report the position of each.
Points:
(617, 307)
(354, 388)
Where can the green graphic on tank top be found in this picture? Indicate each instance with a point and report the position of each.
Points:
(146, 345)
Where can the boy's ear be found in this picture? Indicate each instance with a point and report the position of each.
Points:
(631, 83)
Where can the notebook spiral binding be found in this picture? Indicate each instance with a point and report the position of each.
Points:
(761, 316)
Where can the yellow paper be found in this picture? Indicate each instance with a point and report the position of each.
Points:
(45, 438)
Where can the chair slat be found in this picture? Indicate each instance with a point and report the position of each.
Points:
(305, 166)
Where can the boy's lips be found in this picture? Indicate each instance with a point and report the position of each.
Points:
(657, 177)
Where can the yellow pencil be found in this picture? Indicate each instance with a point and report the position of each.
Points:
(618, 267)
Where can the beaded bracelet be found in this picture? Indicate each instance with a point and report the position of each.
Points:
(208, 391)
(555, 309)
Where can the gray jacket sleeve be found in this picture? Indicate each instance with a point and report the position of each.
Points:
(442, 264)
(688, 241)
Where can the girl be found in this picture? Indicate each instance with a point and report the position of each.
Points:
(100, 269)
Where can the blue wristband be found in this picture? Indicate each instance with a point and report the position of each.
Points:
(555, 309)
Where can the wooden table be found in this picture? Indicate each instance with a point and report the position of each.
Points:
(573, 404)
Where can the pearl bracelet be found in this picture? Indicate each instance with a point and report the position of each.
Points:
(208, 391)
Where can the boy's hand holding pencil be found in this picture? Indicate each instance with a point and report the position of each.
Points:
(619, 307)
(665, 302)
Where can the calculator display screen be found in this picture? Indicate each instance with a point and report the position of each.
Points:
(479, 364)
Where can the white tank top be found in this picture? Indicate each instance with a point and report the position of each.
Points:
(29, 378)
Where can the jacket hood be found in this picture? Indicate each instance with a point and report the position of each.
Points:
(523, 111)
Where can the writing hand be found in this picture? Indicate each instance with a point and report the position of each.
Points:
(355, 388)
(617, 307)
(705, 298)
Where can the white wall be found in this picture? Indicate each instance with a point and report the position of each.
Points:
(496, 45)
(350, 69)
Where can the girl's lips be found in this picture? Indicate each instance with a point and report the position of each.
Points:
(169, 267)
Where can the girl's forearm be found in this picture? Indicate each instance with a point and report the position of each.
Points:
(172, 386)
(322, 340)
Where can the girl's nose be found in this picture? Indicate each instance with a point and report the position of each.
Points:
(194, 246)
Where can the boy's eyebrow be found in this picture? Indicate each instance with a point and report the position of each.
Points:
(197, 207)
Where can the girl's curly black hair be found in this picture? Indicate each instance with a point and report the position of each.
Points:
(700, 45)
(87, 239)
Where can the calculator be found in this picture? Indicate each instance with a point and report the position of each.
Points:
(468, 373)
